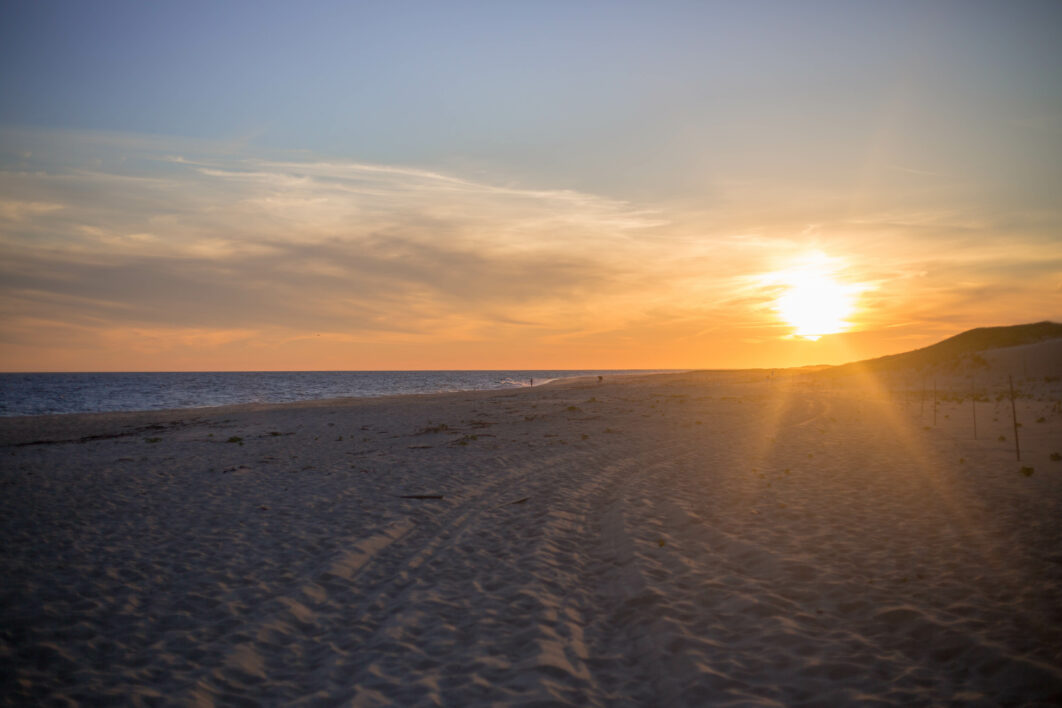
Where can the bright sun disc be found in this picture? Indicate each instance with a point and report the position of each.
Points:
(815, 305)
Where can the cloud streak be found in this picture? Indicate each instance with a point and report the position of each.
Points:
(167, 249)
(345, 249)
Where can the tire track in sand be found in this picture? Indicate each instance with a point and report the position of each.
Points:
(357, 623)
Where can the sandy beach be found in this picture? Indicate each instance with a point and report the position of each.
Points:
(700, 539)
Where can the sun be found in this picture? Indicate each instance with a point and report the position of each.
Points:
(813, 302)
(816, 306)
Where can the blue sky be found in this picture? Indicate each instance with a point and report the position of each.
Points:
(573, 92)
(903, 138)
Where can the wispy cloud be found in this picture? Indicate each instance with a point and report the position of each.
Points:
(347, 249)
(115, 244)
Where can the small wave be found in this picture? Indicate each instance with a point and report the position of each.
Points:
(41, 394)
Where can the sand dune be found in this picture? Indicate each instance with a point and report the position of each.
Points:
(697, 539)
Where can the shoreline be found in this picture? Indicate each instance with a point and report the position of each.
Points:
(398, 392)
(681, 539)
(11, 425)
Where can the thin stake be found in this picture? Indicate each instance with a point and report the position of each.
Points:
(1014, 417)
(922, 400)
(934, 403)
(973, 405)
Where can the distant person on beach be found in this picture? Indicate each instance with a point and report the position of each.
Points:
(600, 379)
(532, 380)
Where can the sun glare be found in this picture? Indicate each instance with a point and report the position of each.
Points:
(814, 303)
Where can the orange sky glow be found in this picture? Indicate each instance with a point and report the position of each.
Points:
(701, 186)
(248, 264)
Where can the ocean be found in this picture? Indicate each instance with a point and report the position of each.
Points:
(44, 394)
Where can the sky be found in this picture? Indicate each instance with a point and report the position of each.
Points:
(497, 185)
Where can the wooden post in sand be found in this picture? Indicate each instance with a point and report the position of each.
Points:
(973, 405)
(1014, 417)
(934, 403)
(922, 400)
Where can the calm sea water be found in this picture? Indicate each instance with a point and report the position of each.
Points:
(40, 394)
